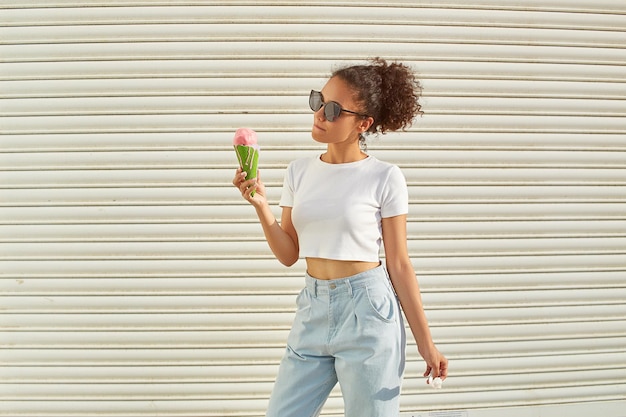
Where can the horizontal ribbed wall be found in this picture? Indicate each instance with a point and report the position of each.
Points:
(134, 281)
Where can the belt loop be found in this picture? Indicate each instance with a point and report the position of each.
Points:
(349, 287)
(315, 288)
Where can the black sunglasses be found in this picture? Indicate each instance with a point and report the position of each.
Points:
(332, 109)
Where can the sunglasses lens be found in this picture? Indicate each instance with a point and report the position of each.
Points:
(332, 110)
(315, 100)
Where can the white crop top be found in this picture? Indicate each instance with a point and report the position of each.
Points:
(337, 208)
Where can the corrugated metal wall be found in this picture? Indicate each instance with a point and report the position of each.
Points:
(135, 282)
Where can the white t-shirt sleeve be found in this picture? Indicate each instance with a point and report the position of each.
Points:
(395, 195)
(286, 197)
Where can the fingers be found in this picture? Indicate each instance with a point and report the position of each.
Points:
(247, 188)
(437, 367)
(432, 371)
(240, 180)
(249, 192)
(437, 374)
(240, 176)
(443, 369)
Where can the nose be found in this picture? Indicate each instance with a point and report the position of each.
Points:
(320, 115)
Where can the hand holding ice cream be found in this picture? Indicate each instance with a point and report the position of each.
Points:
(247, 148)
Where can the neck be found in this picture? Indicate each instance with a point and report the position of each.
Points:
(340, 155)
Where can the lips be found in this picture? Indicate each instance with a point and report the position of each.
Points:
(319, 127)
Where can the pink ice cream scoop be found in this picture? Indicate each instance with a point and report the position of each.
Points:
(244, 136)
(245, 143)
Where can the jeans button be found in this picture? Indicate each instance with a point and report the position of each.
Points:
(333, 286)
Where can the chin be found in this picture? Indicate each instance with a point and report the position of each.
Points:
(317, 137)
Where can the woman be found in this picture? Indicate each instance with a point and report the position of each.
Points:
(337, 207)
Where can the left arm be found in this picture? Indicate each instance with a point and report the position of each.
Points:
(406, 286)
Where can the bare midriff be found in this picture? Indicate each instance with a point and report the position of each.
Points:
(321, 268)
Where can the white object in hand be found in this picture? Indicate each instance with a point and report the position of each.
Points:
(436, 383)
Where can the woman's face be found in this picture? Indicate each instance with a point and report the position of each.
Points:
(346, 127)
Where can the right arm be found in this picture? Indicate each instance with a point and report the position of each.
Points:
(282, 238)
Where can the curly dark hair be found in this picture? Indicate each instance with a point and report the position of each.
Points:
(388, 92)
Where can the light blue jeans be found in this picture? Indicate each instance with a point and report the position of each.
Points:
(347, 330)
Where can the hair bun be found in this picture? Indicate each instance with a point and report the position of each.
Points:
(389, 92)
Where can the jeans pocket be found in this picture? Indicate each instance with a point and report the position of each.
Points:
(382, 302)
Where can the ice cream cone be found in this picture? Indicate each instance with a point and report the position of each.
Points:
(247, 149)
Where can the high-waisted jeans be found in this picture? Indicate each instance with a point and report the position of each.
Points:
(347, 330)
